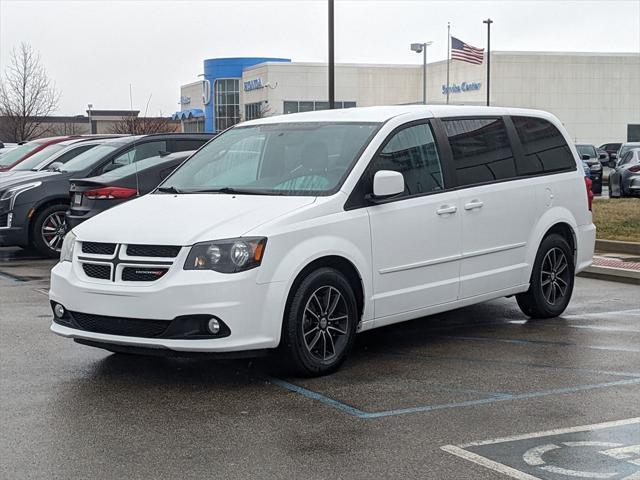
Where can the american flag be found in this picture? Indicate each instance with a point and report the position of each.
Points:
(466, 53)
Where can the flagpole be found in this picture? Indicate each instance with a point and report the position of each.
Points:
(488, 21)
(448, 56)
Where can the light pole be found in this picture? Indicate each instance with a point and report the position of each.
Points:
(89, 107)
(488, 21)
(332, 63)
(422, 48)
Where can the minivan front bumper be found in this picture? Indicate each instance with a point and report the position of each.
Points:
(253, 312)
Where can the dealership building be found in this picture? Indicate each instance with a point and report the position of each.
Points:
(596, 95)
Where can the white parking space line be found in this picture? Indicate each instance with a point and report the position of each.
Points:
(533, 456)
(485, 462)
(560, 431)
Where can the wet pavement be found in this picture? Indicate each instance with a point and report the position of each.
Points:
(479, 392)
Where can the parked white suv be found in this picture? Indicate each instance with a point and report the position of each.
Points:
(295, 232)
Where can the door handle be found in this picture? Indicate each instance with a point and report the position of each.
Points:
(445, 209)
(473, 204)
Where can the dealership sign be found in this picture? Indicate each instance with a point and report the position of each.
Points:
(254, 84)
(463, 87)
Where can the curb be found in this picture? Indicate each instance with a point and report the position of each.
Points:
(612, 274)
(616, 246)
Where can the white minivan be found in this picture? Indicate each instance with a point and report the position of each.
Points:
(292, 233)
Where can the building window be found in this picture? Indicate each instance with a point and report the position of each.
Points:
(195, 125)
(227, 102)
(295, 106)
(255, 110)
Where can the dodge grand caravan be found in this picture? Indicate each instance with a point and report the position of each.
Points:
(293, 233)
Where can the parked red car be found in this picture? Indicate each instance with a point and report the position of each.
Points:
(24, 151)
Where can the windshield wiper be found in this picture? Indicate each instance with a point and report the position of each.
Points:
(232, 190)
(169, 190)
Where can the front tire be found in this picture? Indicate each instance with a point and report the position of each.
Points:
(552, 279)
(319, 324)
(49, 230)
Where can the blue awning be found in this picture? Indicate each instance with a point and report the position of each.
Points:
(188, 114)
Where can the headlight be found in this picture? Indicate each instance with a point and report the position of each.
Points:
(226, 256)
(12, 192)
(66, 253)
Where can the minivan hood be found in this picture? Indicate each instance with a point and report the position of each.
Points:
(165, 219)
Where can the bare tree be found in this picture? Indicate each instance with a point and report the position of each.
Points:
(131, 125)
(27, 95)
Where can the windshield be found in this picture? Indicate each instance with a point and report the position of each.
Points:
(12, 156)
(276, 159)
(38, 157)
(587, 150)
(89, 158)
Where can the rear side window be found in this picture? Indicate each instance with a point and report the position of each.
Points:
(545, 149)
(65, 157)
(626, 158)
(481, 150)
(412, 151)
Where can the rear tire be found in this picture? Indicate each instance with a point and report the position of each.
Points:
(319, 324)
(552, 278)
(49, 230)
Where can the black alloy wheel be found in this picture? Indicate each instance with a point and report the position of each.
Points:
(320, 323)
(552, 278)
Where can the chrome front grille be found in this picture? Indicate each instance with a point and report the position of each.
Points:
(121, 263)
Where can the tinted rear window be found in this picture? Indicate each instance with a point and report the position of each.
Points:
(545, 149)
(481, 150)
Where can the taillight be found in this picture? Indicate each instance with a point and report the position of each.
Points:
(588, 183)
(109, 193)
(635, 169)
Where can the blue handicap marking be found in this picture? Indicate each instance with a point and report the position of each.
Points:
(608, 450)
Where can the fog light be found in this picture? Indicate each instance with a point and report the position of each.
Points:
(213, 326)
(58, 310)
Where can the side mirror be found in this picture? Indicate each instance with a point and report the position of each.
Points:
(613, 156)
(56, 166)
(585, 157)
(387, 183)
(602, 156)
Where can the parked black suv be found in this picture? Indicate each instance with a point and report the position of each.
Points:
(33, 206)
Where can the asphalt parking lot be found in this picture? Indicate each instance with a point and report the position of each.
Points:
(476, 393)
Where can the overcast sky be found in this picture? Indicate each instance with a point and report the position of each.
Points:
(95, 49)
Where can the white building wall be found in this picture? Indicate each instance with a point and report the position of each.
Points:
(192, 92)
(365, 84)
(596, 95)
